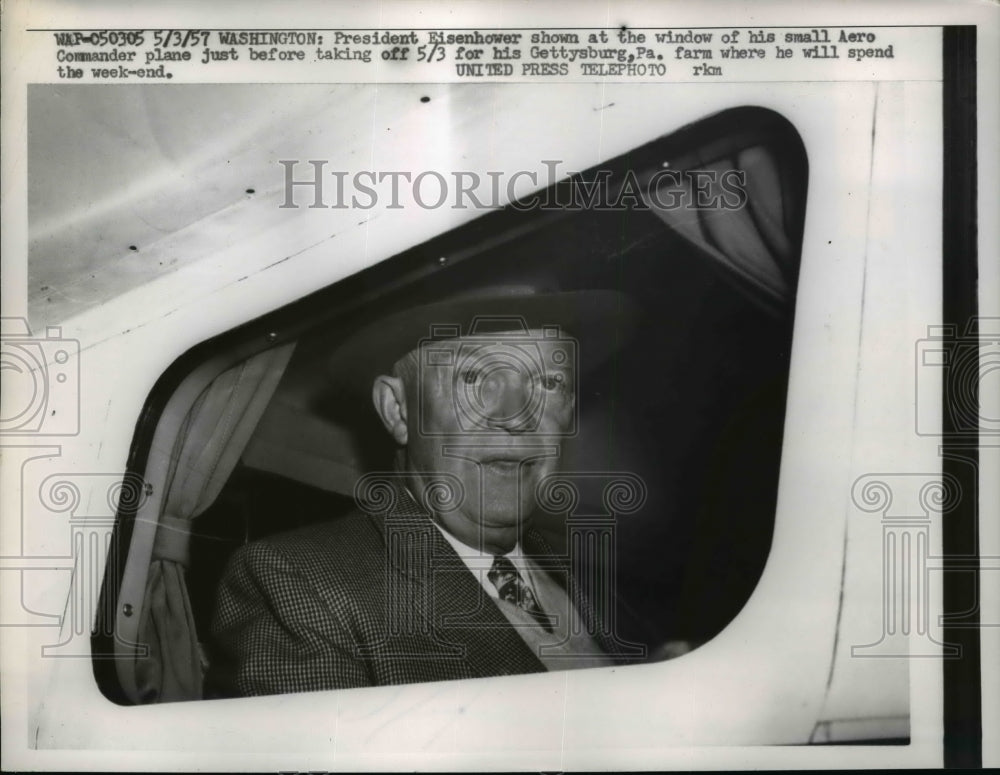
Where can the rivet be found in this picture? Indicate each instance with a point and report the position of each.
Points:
(272, 336)
(127, 609)
(443, 260)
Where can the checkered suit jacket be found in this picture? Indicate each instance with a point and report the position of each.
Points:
(365, 600)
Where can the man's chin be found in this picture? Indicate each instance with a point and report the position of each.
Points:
(504, 528)
(500, 540)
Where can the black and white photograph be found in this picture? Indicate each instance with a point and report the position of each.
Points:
(557, 387)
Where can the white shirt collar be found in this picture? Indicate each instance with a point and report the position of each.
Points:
(479, 562)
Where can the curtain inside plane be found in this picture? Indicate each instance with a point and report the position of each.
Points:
(210, 443)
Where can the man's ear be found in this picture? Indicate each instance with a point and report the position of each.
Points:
(389, 396)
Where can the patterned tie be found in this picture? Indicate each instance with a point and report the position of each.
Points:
(511, 587)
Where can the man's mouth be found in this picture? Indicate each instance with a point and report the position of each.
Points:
(508, 462)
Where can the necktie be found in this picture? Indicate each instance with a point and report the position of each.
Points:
(511, 587)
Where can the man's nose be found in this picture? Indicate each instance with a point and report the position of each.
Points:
(508, 400)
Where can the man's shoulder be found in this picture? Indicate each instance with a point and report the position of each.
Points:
(335, 560)
(335, 547)
(343, 535)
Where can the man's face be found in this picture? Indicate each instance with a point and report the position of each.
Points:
(490, 413)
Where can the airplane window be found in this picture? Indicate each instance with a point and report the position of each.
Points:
(549, 439)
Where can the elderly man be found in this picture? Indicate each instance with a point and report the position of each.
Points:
(438, 574)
